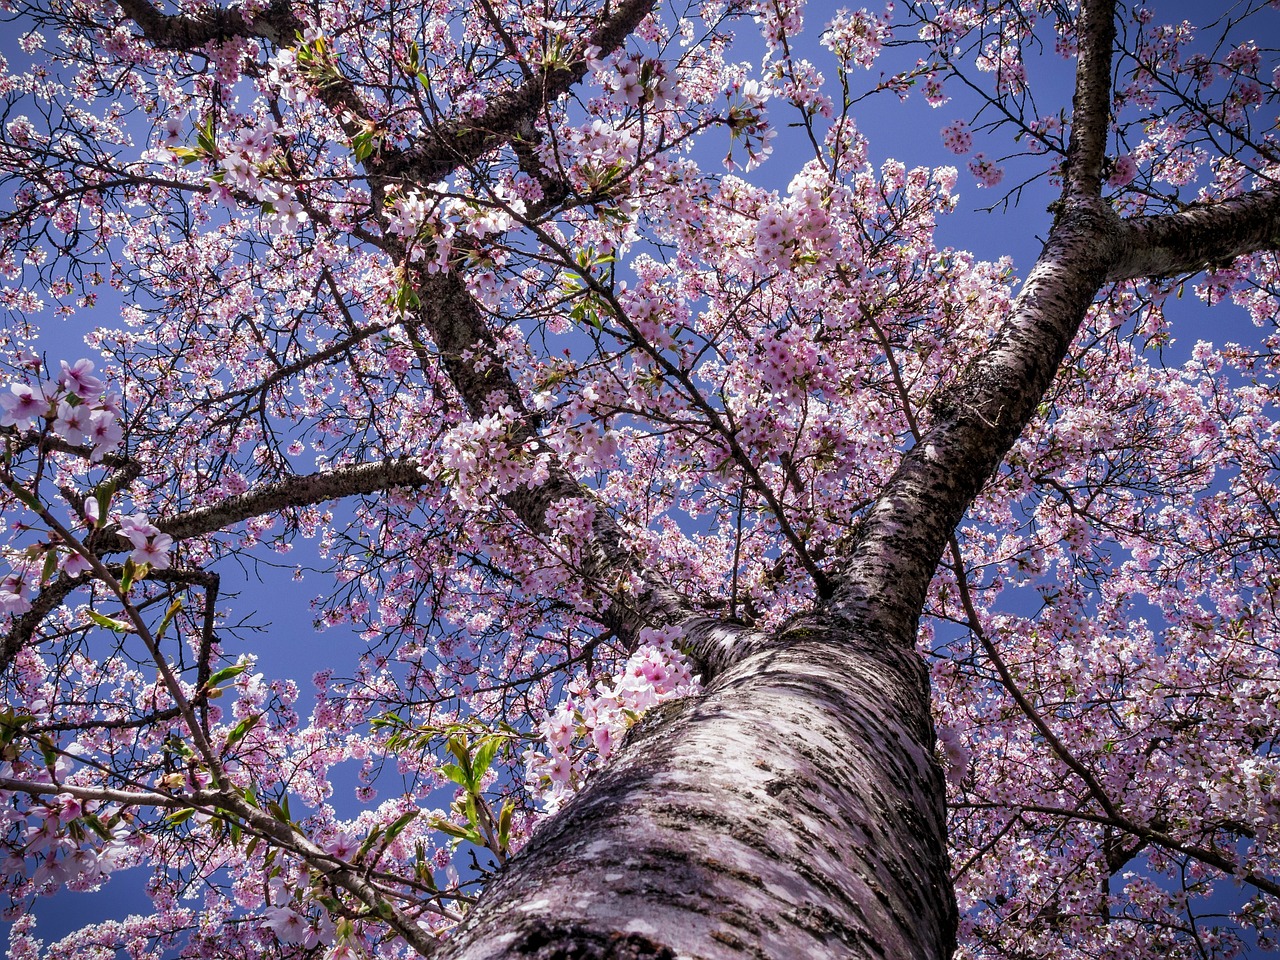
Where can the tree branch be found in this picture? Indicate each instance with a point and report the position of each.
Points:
(509, 115)
(448, 145)
(1091, 104)
(218, 24)
(467, 350)
(978, 418)
(1191, 240)
(350, 481)
(975, 422)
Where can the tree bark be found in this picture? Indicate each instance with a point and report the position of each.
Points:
(795, 809)
(792, 810)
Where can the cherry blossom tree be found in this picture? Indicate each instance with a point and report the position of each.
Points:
(728, 571)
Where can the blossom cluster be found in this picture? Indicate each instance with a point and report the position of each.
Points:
(483, 460)
(75, 406)
(52, 832)
(584, 730)
(729, 381)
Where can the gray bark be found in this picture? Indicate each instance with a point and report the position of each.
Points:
(792, 810)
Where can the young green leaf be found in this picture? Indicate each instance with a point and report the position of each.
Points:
(117, 626)
(240, 729)
(398, 825)
(226, 673)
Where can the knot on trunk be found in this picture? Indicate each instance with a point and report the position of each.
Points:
(546, 941)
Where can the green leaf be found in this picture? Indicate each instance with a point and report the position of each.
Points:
(117, 626)
(132, 572)
(458, 747)
(97, 826)
(206, 137)
(369, 841)
(168, 618)
(50, 566)
(453, 830)
(484, 757)
(240, 729)
(362, 145)
(103, 496)
(180, 816)
(398, 825)
(504, 824)
(25, 497)
(11, 724)
(386, 720)
(456, 774)
(226, 673)
(421, 869)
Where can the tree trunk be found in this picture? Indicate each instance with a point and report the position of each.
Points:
(794, 809)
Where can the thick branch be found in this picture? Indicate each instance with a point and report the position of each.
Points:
(975, 423)
(146, 798)
(1203, 236)
(468, 350)
(364, 478)
(1091, 104)
(218, 24)
(510, 115)
(506, 117)
(978, 419)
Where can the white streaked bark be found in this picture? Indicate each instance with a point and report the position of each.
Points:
(793, 810)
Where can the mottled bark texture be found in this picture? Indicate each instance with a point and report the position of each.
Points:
(793, 810)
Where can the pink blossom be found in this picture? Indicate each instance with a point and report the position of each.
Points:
(76, 564)
(1124, 173)
(154, 551)
(627, 84)
(987, 173)
(105, 431)
(137, 528)
(22, 405)
(343, 846)
(15, 593)
(73, 422)
(286, 924)
(77, 379)
(956, 138)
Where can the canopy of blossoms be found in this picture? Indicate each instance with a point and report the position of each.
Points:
(544, 329)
